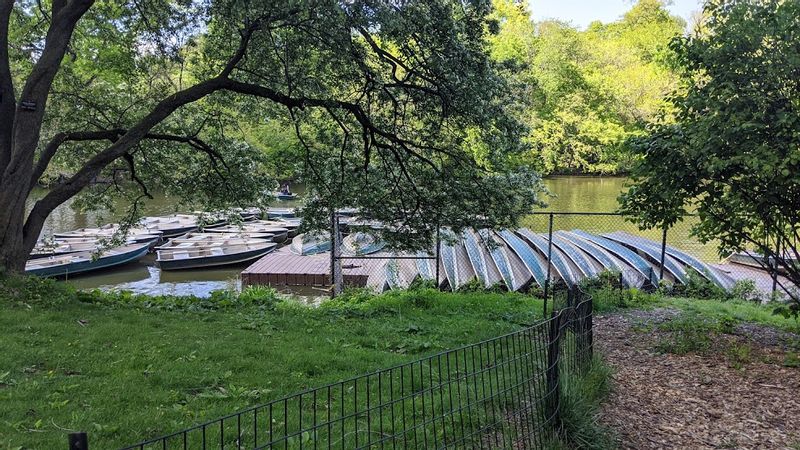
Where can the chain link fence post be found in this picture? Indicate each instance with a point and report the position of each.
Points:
(549, 255)
(663, 253)
(336, 267)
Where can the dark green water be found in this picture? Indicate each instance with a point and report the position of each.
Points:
(581, 194)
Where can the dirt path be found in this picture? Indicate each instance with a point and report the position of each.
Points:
(737, 394)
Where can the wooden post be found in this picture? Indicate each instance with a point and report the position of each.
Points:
(78, 441)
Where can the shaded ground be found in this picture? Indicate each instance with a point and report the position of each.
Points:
(681, 384)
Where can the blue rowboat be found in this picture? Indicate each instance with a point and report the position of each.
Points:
(284, 197)
(535, 265)
(82, 262)
(557, 259)
(606, 259)
(710, 273)
(361, 243)
(652, 251)
(515, 275)
(482, 262)
(629, 256)
(311, 243)
(578, 257)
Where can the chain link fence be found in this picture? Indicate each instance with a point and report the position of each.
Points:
(554, 249)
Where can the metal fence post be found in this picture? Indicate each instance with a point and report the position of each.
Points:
(549, 255)
(78, 441)
(336, 273)
(438, 253)
(663, 253)
(775, 266)
(553, 394)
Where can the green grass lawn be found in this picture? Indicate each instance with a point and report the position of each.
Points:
(124, 372)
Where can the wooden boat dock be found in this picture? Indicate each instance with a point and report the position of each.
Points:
(284, 268)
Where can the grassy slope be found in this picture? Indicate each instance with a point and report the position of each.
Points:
(125, 373)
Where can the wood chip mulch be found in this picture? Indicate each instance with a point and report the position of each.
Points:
(662, 401)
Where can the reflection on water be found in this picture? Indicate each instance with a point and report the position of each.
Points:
(595, 194)
(585, 194)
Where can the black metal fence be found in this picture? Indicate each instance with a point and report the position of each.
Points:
(499, 393)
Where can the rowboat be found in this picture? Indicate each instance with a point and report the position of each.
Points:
(278, 213)
(759, 261)
(630, 277)
(81, 262)
(535, 264)
(56, 248)
(291, 224)
(311, 243)
(456, 263)
(652, 250)
(583, 262)
(109, 231)
(193, 255)
(557, 259)
(44, 249)
(170, 226)
(284, 196)
(279, 234)
(515, 275)
(710, 273)
(482, 262)
(205, 238)
(251, 213)
(630, 257)
(360, 243)
(400, 273)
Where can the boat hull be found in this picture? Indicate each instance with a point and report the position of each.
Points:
(90, 265)
(214, 260)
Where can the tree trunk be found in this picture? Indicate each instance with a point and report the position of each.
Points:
(14, 247)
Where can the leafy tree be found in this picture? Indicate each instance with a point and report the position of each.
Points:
(587, 92)
(387, 102)
(733, 155)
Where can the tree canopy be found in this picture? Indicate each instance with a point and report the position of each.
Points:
(733, 154)
(588, 91)
(394, 108)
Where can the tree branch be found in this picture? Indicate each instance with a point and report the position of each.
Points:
(7, 97)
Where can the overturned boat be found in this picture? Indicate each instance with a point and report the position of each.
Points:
(311, 243)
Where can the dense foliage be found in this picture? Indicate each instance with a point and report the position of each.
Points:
(586, 92)
(734, 153)
(392, 107)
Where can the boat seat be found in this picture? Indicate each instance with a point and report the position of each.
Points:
(180, 255)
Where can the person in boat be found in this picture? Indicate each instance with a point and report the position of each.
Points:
(285, 189)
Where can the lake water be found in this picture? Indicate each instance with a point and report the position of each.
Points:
(570, 194)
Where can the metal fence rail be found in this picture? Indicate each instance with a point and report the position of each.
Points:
(498, 393)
